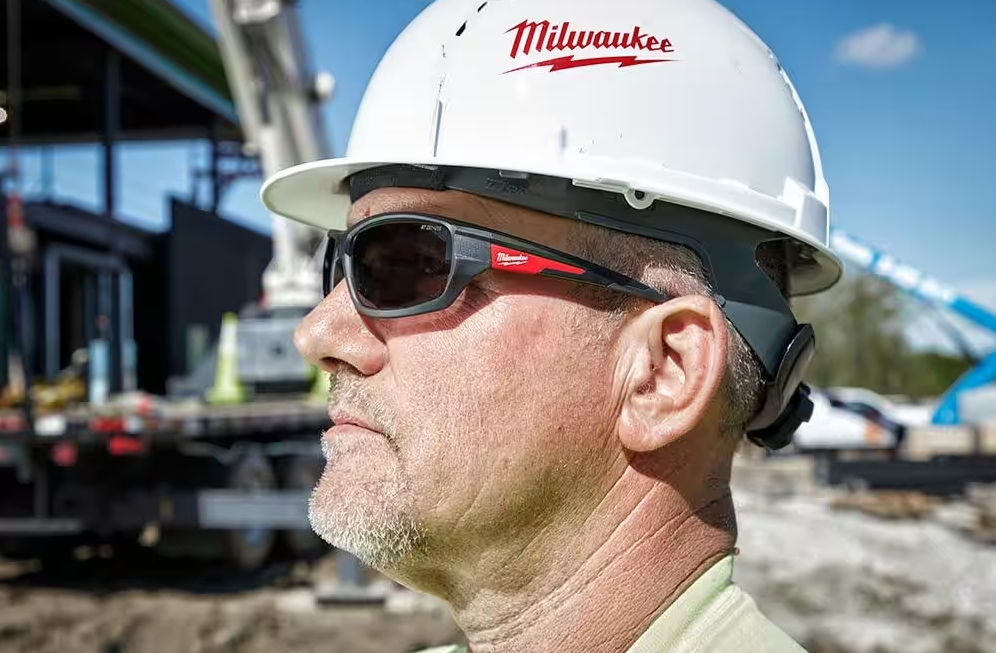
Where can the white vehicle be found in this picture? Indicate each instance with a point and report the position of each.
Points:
(841, 425)
(907, 414)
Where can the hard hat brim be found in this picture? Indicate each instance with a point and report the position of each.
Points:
(317, 194)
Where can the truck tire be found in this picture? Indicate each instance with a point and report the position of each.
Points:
(241, 549)
(301, 473)
(248, 548)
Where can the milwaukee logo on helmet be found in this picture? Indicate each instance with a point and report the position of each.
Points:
(541, 36)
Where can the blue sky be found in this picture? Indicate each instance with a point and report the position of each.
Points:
(902, 96)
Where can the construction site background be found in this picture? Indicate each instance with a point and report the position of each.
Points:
(840, 560)
(842, 571)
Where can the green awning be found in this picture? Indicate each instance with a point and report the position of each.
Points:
(161, 37)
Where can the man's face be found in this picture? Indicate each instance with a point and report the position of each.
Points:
(486, 419)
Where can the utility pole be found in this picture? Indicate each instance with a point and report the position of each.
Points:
(20, 240)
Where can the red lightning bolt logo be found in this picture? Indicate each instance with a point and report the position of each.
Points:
(566, 63)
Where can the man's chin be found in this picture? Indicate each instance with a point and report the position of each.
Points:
(381, 534)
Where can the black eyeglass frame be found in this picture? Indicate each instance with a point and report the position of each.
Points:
(470, 250)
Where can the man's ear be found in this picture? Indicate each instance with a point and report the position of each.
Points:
(671, 365)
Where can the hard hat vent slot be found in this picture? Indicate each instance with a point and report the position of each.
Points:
(463, 27)
(513, 174)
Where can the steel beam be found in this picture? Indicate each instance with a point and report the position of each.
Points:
(240, 509)
(40, 526)
(112, 124)
(942, 476)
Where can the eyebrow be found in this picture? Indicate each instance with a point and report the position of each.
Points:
(432, 206)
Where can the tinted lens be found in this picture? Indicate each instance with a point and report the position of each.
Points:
(401, 264)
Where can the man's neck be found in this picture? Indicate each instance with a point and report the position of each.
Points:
(598, 584)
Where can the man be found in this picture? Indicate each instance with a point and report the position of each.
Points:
(562, 240)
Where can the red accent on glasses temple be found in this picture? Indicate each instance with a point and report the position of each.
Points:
(503, 258)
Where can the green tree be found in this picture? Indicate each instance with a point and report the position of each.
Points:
(860, 334)
(931, 373)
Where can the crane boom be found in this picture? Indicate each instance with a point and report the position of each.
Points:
(278, 100)
(929, 290)
(910, 280)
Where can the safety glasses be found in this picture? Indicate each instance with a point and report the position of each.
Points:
(405, 264)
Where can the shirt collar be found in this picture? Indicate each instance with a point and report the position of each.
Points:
(666, 629)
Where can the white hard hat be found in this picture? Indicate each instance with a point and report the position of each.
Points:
(678, 99)
(667, 119)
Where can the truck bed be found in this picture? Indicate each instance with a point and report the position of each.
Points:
(158, 419)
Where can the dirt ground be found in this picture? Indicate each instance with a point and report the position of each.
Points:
(848, 582)
(840, 581)
(154, 606)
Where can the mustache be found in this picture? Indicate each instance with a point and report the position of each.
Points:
(350, 392)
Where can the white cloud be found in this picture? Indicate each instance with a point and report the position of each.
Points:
(879, 46)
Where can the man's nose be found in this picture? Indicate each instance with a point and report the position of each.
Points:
(334, 333)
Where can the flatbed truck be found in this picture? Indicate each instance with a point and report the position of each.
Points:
(182, 474)
(186, 478)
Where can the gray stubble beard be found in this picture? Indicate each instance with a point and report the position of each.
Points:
(380, 531)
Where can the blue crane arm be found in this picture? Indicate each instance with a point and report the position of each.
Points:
(929, 290)
(909, 279)
(946, 412)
